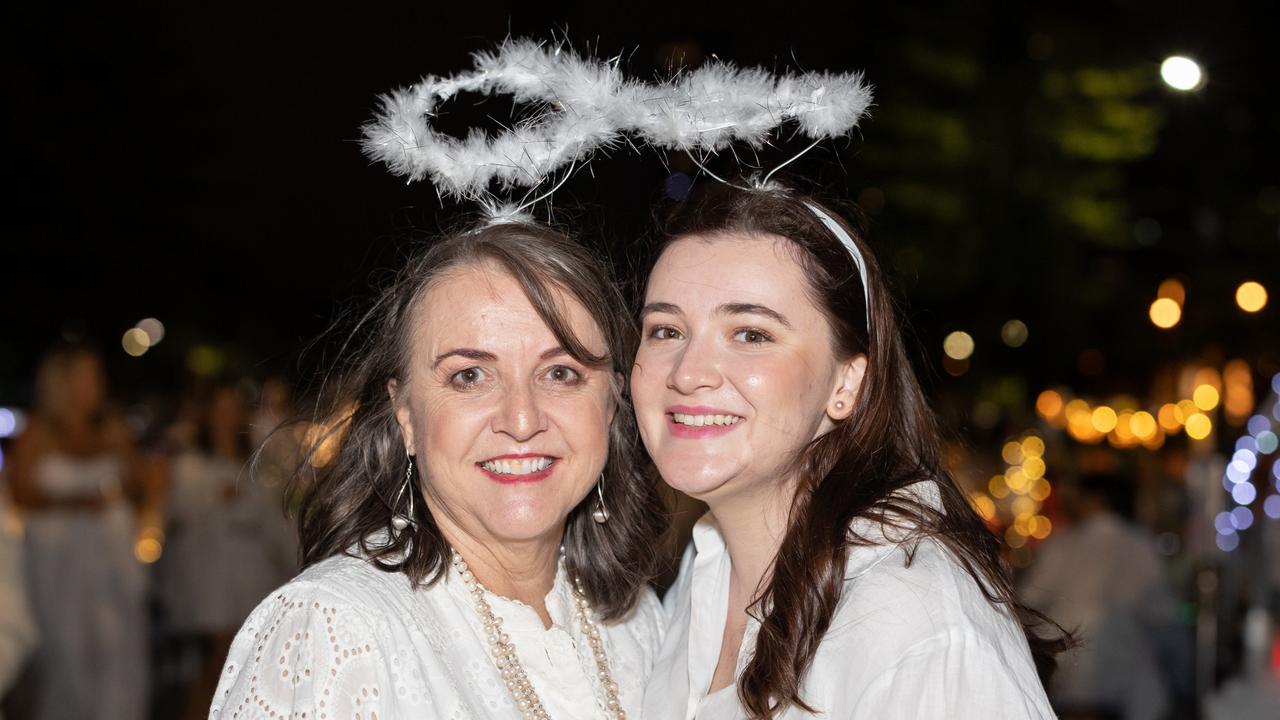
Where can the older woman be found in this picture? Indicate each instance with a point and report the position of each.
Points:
(840, 572)
(477, 546)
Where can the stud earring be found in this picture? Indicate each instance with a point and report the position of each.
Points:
(839, 404)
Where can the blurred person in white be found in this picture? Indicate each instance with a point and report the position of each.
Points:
(223, 542)
(1104, 578)
(18, 635)
(75, 469)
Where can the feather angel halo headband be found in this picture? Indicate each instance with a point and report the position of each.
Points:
(583, 105)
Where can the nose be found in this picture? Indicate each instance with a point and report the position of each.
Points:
(519, 414)
(695, 369)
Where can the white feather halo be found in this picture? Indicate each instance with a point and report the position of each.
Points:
(718, 104)
(574, 95)
(584, 104)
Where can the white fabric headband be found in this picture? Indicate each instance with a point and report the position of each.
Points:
(852, 247)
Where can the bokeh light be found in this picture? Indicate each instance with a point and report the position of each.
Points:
(1199, 426)
(1173, 290)
(154, 330)
(1143, 425)
(1205, 397)
(958, 345)
(1251, 296)
(1271, 506)
(1014, 333)
(1049, 405)
(1165, 313)
(135, 342)
(1181, 73)
(1104, 419)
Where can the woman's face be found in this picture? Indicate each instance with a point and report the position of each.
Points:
(735, 373)
(510, 432)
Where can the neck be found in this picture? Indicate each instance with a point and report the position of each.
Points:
(753, 523)
(523, 571)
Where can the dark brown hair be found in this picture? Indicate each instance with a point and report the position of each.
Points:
(891, 441)
(350, 498)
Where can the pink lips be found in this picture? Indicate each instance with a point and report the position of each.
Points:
(514, 479)
(695, 433)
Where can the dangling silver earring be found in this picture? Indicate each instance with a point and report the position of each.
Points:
(402, 521)
(601, 513)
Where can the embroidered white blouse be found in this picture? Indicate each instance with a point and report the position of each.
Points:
(918, 641)
(346, 640)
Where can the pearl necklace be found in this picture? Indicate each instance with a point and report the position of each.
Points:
(504, 653)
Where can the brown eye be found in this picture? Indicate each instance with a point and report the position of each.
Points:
(664, 332)
(563, 374)
(752, 336)
(468, 377)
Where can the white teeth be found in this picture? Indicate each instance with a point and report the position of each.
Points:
(523, 466)
(703, 420)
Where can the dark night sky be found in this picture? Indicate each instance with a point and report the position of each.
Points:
(197, 162)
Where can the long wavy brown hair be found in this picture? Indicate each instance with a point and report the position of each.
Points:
(354, 467)
(891, 441)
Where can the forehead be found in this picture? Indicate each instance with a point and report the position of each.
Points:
(708, 271)
(481, 305)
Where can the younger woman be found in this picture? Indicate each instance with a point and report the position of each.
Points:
(840, 571)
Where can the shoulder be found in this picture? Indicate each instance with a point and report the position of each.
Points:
(913, 591)
(925, 631)
(316, 639)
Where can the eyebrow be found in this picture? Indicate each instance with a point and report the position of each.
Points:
(468, 353)
(725, 309)
(484, 356)
(754, 309)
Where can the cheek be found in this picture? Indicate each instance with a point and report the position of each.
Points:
(446, 430)
(785, 390)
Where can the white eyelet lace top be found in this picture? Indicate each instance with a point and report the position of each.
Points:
(347, 640)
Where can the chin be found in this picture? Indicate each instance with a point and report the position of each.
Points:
(522, 521)
(697, 480)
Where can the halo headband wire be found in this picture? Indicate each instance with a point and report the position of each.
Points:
(837, 230)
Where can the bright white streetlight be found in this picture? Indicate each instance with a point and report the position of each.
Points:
(1181, 73)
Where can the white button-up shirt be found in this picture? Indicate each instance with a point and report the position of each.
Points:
(908, 640)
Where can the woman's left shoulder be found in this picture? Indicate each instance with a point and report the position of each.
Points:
(914, 631)
(919, 587)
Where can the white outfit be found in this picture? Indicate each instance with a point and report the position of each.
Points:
(345, 639)
(17, 627)
(1105, 578)
(906, 641)
(88, 594)
(224, 552)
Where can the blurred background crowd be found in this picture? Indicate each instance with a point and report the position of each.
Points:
(1079, 206)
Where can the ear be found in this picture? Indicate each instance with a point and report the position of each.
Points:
(847, 388)
(400, 405)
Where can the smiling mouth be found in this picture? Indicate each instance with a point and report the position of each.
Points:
(516, 467)
(705, 420)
